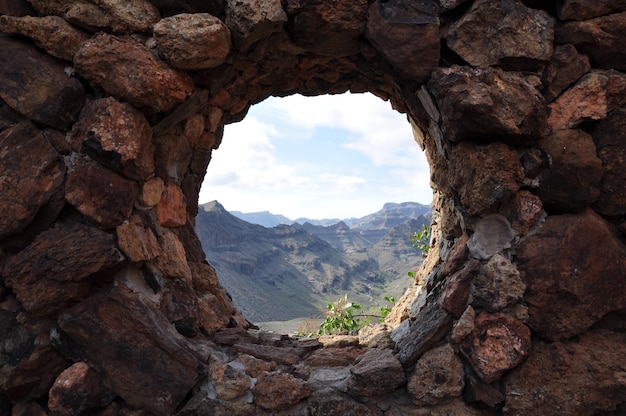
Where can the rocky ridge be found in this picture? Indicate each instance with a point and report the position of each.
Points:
(109, 112)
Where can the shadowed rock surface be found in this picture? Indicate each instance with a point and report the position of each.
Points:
(109, 307)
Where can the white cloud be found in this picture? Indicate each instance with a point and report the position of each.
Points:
(316, 177)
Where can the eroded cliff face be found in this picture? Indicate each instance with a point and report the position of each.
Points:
(109, 112)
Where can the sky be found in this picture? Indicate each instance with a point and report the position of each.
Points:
(330, 156)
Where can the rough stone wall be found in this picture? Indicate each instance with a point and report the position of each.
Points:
(109, 112)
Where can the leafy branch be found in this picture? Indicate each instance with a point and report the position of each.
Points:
(346, 316)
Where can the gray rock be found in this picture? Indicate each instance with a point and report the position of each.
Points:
(491, 235)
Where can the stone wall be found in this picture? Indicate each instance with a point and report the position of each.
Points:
(110, 110)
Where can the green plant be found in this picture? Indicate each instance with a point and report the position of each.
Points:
(421, 239)
(346, 316)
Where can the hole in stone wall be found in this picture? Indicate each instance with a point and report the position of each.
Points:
(334, 157)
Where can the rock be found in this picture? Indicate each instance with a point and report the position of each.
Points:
(497, 344)
(27, 409)
(76, 389)
(392, 27)
(280, 355)
(332, 402)
(565, 67)
(37, 86)
(497, 285)
(333, 357)
(499, 178)
(481, 393)
(584, 377)
(130, 72)
(588, 9)
(591, 98)
(120, 16)
(328, 29)
(172, 208)
(151, 191)
(376, 336)
(172, 261)
(333, 377)
(505, 33)
(59, 268)
(193, 41)
(230, 382)
(454, 407)
(464, 326)
(16, 8)
(139, 355)
(609, 135)
(252, 20)
(438, 376)
(173, 155)
(253, 366)
(568, 292)
(55, 35)
(275, 391)
(339, 341)
(32, 174)
(523, 211)
(455, 292)
(491, 235)
(137, 241)
(598, 38)
(375, 373)
(432, 324)
(456, 257)
(101, 195)
(179, 305)
(117, 136)
(28, 363)
(571, 182)
(487, 103)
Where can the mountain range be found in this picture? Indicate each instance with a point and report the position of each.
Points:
(292, 269)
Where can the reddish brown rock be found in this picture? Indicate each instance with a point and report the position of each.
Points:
(328, 29)
(375, 373)
(456, 257)
(489, 103)
(280, 355)
(567, 291)
(591, 98)
(438, 376)
(172, 261)
(37, 86)
(504, 33)
(333, 357)
(28, 363)
(117, 136)
(101, 195)
(275, 391)
(27, 409)
(579, 377)
(179, 305)
(129, 71)
(117, 15)
(482, 393)
(193, 41)
(137, 241)
(151, 192)
(565, 68)
(523, 211)
(588, 9)
(230, 382)
(172, 208)
(16, 8)
(135, 349)
(497, 285)
(599, 38)
(55, 35)
(32, 173)
(571, 182)
(77, 388)
(173, 155)
(498, 178)
(464, 326)
(455, 292)
(497, 344)
(610, 136)
(252, 20)
(393, 26)
(60, 267)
